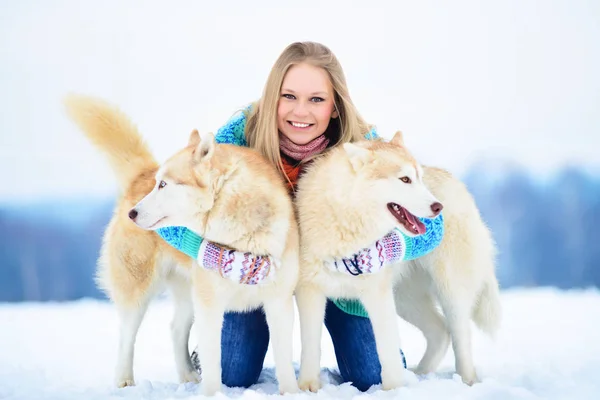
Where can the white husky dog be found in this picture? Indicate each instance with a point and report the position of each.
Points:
(234, 197)
(356, 194)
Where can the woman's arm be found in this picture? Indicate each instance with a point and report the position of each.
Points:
(233, 132)
(399, 248)
(391, 249)
(241, 267)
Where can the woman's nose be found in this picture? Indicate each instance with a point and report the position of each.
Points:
(300, 109)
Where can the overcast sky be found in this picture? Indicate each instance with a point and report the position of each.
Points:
(465, 80)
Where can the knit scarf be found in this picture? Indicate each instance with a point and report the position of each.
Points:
(298, 152)
(301, 151)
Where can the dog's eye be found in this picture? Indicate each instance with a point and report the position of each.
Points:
(405, 179)
(162, 184)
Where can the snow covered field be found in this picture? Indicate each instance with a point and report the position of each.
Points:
(548, 348)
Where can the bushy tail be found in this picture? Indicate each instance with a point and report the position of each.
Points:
(110, 130)
(487, 314)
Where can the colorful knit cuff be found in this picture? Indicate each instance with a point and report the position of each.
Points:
(190, 244)
(182, 239)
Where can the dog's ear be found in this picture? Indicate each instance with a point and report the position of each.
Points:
(398, 139)
(357, 155)
(206, 147)
(194, 138)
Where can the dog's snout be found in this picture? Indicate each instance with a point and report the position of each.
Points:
(133, 214)
(437, 207)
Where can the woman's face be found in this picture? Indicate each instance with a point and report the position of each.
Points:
(305, 103)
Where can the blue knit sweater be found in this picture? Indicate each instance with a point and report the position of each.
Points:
(233, 132)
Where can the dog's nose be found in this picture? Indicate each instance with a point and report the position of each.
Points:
(436, 207)
(133, 214)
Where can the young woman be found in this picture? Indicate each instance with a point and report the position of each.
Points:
(305, 110)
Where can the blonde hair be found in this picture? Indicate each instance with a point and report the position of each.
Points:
(261, 128)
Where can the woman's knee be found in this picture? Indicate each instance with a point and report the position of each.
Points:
(363, 378)
(244, 376)
(244, 343)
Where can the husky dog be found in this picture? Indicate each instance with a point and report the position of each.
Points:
(227, 194)
(352, 196)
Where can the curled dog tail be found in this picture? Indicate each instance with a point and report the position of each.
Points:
(487, 313)
(111, 131)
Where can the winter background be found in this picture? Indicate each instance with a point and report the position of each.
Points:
(504, 94)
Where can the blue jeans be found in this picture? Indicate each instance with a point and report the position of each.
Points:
(245, 338)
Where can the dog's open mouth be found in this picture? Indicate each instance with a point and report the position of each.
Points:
(408, 220)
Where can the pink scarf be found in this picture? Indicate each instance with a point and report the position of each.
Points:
(299, 152)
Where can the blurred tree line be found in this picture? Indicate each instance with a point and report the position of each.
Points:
(544, 231)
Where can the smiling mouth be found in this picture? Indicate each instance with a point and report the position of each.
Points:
(300, 125)
(408, 220)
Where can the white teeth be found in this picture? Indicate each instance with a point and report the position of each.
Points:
(299, 125)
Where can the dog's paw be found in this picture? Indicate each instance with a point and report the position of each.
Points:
(419, 371)
(190, 376)
(289, 388)
(312, 385)
(391, 381)
(470, 379)
(210, 388)
(121, 383)
(392, 384)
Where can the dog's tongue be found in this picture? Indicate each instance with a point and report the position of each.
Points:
(414, 221)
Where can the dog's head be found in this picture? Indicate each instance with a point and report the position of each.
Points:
(392, 182)
(184, 190)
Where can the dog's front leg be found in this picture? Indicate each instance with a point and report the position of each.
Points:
(379, 304)
(208, 313)
(311, 309)
(209, 322)
(280, 318)
(181, 325)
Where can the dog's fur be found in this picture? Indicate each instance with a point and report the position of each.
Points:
(229, 195)
(343, 205)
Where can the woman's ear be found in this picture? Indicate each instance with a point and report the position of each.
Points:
(335, 113)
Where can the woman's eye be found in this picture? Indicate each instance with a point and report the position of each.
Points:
(288, 96)
(317, 99)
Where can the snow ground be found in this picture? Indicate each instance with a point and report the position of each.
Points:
(548, 348)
